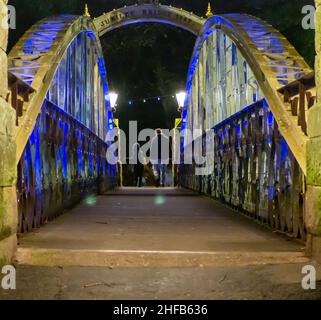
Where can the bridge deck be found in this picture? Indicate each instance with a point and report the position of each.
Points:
(157, 244)
(171, 227)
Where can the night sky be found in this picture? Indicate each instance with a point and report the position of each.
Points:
(151, 60)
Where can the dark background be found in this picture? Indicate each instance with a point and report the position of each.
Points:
(150, 60)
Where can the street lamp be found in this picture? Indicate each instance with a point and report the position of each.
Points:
(112, 97)
(181, 97)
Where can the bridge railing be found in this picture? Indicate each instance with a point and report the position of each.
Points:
(63, 163)
(254, 171)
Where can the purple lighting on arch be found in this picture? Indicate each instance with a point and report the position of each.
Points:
(38, 43)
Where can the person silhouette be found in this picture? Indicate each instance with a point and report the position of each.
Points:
(139, 160)
(160, 155)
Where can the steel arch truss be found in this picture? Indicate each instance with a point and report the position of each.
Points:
(148, 12)
(61, 153)
(250, 87)
(50, 58)
(239, 58)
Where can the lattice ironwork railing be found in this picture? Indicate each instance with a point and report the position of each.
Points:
(254, 171)
(62, 163)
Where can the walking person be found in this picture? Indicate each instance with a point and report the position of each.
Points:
(160, 155)
(139, 160)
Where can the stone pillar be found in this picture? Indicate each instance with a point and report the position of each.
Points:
(8, 197)
(313, 195)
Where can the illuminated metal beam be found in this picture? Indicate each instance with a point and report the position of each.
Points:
(148, 13)
(271, 61)
(35, 60)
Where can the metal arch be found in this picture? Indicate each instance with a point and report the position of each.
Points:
(274, 62)
(148, 13)
(36, 58)
(37, 55)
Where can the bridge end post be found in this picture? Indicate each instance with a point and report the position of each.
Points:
(313, 194)
(8, 170)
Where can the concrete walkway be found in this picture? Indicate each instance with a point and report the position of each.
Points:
(157, 243)
(154, 227)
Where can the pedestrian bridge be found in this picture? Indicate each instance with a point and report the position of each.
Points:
(246, 84)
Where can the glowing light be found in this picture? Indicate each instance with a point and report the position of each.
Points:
(112, 97)
(181, 97)
(159, 200)
(144, 100)
(91, 200)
